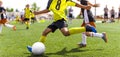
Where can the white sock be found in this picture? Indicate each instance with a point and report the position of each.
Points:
(0, 28)
(8, 25)
(84, 38)
(100, 35)
(98, 21)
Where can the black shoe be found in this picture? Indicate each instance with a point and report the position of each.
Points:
(27, 27)
(103, 21)
(81, 45)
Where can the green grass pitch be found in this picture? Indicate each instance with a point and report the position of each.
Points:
(13, 43)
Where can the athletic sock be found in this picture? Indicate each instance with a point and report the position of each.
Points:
(0, 28)
(84, 38)
(9, 26)
(27, 24)
(42, 39)
(100, 35)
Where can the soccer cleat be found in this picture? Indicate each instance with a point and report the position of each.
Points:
(27, 27)
(29, 48)
(104, 37)
(14, 28)
(90, 28)
(81, 45)
(103, 21)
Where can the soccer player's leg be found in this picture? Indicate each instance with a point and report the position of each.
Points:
(77, 30)
(27, 23)
(94, 33)
(98, 35)
(84, 41)
(63, 26)
(44, 34)
(0, 28)
(4, 21)
(42, 39)
(90, 28)
(87, 28)
(10, 26)
(49, 29)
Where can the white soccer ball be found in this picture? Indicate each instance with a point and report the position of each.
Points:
(38, 48)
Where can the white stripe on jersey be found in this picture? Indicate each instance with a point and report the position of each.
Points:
(86, 17)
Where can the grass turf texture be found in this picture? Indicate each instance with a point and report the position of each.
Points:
(13, 43)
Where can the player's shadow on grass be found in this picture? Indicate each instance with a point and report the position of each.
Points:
(19, 29)
(38, 55)
(64, 52)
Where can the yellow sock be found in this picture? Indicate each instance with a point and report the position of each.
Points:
(27, 24)
(77, 30)
(42, 39)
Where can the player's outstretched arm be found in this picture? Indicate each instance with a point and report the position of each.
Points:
(93, 5)
(41, 12)
(82, 6)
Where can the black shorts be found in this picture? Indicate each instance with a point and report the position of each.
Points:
(119, 15)
(70, 16)
(112, 16)
(106, 16)
(26, 19)
(58, 24)
(33, 18)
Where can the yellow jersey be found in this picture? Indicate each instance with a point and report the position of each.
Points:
(27, 13)
(58, 8)
(32, 15)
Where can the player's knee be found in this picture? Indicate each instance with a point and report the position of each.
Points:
(66, 34)
(87, 33)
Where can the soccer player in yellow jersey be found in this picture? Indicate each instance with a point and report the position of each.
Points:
(17, 19)
(58, 7)
(27, 16)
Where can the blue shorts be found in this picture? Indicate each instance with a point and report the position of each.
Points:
(58, 25)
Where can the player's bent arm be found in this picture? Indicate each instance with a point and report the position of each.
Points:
(82, 6)
(42, 12)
